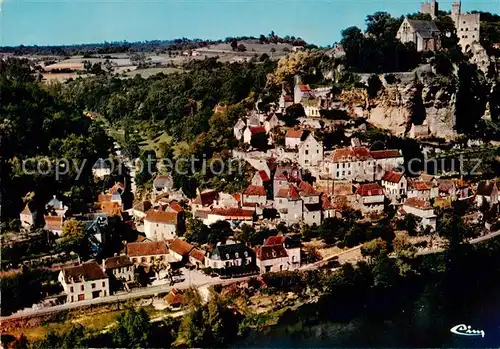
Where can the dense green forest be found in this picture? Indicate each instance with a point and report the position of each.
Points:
(38, 125)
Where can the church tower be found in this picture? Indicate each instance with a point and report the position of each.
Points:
(456, 9)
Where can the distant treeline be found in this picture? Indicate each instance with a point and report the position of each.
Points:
(159, 46)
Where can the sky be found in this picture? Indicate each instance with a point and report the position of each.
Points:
(56, 22)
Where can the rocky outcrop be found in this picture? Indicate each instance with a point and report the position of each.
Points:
(417, 98)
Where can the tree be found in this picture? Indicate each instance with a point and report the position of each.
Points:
(382, 25)
(73, 229)
(241, 48)
(260, 141)
(373, 248)
(197, 231)
(384, 274)
(374, 85)
(234, 44)
(133, 330)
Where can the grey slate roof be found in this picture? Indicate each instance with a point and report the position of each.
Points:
(424, 28)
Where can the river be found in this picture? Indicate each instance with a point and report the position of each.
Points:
(423, 318)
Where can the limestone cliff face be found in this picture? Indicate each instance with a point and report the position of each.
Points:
(409, 98)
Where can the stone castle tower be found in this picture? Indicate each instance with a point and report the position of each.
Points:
(466, 24)
(431, 8)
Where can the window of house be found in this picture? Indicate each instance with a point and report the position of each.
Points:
(236, 255)
(246, 254)
(71, 289)
(227, 255)
(307, 152)
(82, 288)
(338, 165)
(104, 284)
(134, 260)
(93, 285)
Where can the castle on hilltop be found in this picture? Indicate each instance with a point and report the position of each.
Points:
(425, 34)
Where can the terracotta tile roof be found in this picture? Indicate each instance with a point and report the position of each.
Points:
(263, 175)
(112, 208)
(174, 205)
(393, 177)
(257, 129)
(419, 203)
(386, 154)
(351, 154)
(53, 222)
(206, 197)
(162, 196)
(104, 197)
(288, 173)
(342, 189)
(294, 134)
(88, 271)
(255, 190)
(175, 297)
(161, 217)
(117, 262)
(419, 185)
(234, 213)
(289, 193)
(275, 240)
(370, 189)
(325, 203)
(304, 88)
(446, 185)
(201, 214)
(264, 253)
(146, 248)
(180, 246)
(197, 254)
(143, 206)
(306, 189)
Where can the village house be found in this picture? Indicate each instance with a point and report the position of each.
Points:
(27, 217)
(302, 92)
(386, 160)
(204, 200)
(271, 258)
(312, 107)
(312, 205)
(179, 249)
(141, 209)
(423, 209)
(231, 255)
(54, 224)
(227, 200)
(235, 216)
(354, 164)
(422, 189)
(161, 185)
(310, 152)
(101, 168)
(175, 299)
(271, 122)
(419, 131)
(487, 191)
(424, 34)
(293, 138)
(260, 178)
(292, 245)
(160, 225)
(284, 176)
(395, 185)
(254, 196)
(289, 204)
(120, 267)
(250, 132)
(197, 258)
(371, 198)
(253, 119)
(84, 282)
(238, 129)
(285, 101)
(147, 252)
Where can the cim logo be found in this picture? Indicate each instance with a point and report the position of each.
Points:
(464, 330)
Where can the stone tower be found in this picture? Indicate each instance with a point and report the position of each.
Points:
(431, 8)
(456, 8)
